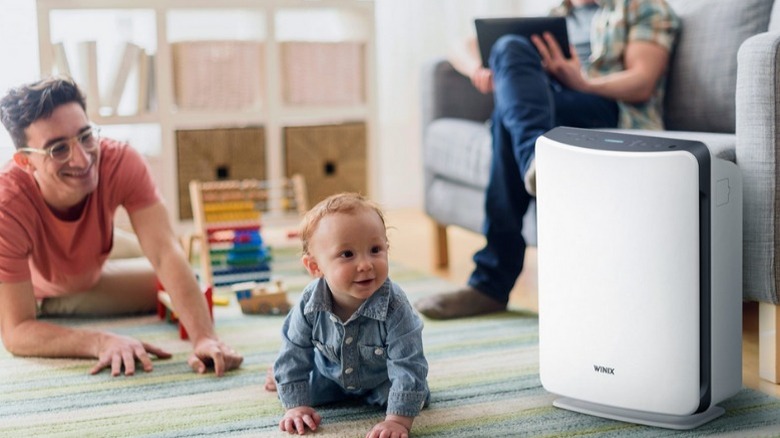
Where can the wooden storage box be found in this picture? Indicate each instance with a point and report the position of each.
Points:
(217, 154)
(320, 73)
(218, 74)
(331, 158)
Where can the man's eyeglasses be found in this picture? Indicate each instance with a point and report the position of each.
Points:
(61, 151)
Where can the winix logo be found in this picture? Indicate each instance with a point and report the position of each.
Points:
(603, 370)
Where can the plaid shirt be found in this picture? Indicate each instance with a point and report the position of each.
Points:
(617, 23)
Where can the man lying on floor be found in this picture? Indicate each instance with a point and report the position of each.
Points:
(59, 255)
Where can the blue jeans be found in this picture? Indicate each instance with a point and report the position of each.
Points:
(528, 103)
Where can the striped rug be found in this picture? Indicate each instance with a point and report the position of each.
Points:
(483, 376)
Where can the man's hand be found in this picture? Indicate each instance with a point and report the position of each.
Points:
(482, 79)
(568, 71)
(298, 418)
(211, 352)
(117, 351)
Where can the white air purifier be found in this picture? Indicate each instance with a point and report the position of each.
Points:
(640, 276)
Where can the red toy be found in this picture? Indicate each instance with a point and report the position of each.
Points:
(165, 307)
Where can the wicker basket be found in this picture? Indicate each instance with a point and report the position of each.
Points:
(323, 73)
(217, 154)
(331, 158)
(218, 74)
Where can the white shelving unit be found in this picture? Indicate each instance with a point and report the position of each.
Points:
(156, 24)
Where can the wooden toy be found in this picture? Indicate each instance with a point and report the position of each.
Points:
(227, 216)
(262, 298)
(220, 300)
(166, 311)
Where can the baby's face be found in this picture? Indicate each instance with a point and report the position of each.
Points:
(350, 251)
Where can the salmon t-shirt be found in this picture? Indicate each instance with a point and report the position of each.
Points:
(66, 257)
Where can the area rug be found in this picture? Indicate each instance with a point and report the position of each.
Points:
(483, 377)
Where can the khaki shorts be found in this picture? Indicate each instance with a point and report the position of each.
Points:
(127, 285)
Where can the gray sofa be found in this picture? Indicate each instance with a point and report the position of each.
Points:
(723, 89)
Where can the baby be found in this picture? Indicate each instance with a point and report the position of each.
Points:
(353, 334)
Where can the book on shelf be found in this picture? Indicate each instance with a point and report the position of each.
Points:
(151, 90)
(128, 61)
(61, 65)
(142, 78)
(88, 74)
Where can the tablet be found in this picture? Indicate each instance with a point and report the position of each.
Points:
(491, 29)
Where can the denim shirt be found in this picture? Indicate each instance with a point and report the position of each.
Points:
(381, 341)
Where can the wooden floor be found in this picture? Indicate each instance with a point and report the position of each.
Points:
(411, 242)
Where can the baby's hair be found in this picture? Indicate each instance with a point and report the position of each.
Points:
(339, 203)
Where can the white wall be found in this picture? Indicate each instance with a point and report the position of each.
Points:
(19, 52)
(409, 33)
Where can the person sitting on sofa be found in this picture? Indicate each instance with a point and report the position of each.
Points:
(58, 198)
(618, 82)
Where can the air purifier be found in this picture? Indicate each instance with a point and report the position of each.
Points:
(640, 276)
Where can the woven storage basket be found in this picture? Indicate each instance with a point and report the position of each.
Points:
(217, 154)
(331, 158)
(218, 74)
(317, 73)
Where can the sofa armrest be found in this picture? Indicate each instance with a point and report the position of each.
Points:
(447, 93)
(757, 120)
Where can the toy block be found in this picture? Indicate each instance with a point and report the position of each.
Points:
(165, 309)
(220, 300)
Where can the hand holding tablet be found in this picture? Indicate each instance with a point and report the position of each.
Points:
(491, 29)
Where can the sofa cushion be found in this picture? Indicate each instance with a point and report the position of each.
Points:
(702, 81)
(450, 203)
(458, 150)
(774, 20)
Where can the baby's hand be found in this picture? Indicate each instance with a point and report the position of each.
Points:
(296, 420)
(389, 429)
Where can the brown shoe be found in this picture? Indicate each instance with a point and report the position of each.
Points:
(461, 303)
